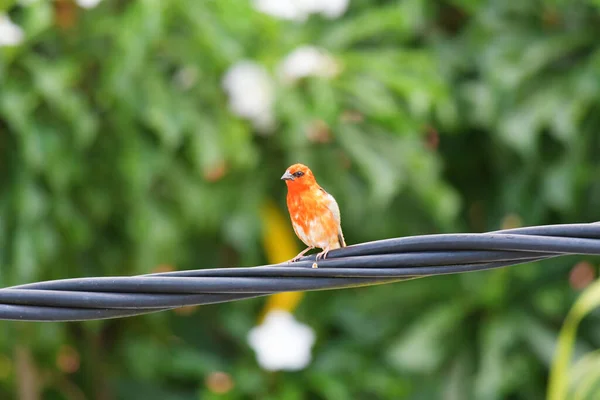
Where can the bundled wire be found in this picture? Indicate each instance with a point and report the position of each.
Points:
(371, 263)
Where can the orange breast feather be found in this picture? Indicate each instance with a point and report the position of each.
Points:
(313, 214)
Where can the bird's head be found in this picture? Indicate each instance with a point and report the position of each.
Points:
(298, 177)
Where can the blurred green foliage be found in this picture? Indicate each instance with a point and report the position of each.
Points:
(584, 376)
(460, 115)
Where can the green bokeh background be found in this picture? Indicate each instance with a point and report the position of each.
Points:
(447, 116)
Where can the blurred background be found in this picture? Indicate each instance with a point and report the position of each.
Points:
(150, 135)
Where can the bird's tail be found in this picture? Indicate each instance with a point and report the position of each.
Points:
(341, 240)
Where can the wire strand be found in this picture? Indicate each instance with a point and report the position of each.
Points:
(383, 261)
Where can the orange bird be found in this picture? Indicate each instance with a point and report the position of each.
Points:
(314, 212)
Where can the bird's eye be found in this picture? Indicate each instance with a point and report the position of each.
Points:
(298, 174)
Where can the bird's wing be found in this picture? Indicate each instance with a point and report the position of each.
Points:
(333, 206)
(335, 210)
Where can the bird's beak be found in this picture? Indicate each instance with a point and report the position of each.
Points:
(287, 176)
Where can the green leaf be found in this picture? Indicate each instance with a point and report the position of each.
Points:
(561, 372)
(423, 347)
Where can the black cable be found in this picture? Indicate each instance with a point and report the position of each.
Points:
(370, 263)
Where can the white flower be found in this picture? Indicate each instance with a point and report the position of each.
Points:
(333, 8)
(281, 342)
(307, 61)
(251, 93)
(10, 33)
(309, 6)
(299, 10)
(284, 9)
(87, 3)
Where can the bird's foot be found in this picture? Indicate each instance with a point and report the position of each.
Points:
(322, 255)
(300, 255)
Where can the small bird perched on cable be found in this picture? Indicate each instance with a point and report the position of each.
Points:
(314, 212)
